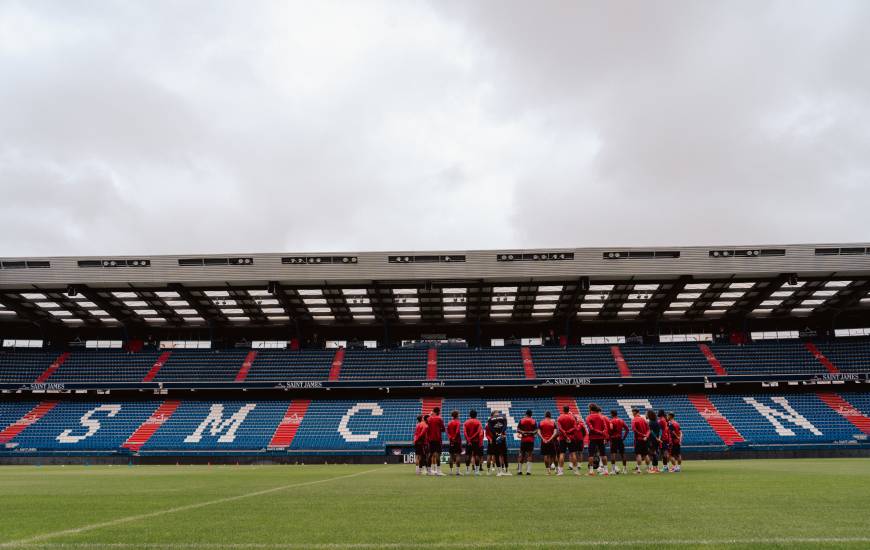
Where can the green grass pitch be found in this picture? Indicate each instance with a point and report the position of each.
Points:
(711, 504)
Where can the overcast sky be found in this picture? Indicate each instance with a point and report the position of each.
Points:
(178, 127)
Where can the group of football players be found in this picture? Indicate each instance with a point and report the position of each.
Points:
(657, 439)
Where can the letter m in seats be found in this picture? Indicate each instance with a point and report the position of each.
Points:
(217, 424)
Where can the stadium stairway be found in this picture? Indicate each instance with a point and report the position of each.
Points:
(34, 415)
(46, 374)
(144, 432)
(711, 358)
(618, 358)
(814, 351)
(246, 366)
(528, 363)
(289, 425)
(846, 410)
(428, 404)
(164, 357)
(715, 419)
(432, 364)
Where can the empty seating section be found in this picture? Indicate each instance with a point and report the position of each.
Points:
(677, 359)
(277, 365)
(861, 401)
(12, 411)
(489, 363)
(108, 365)
(784, 419)
(574, 361)
(23, 366)
(237, 425)
(847, 355)
(283, 365)
(202, 366)
(348, 426)
(786, 357)
(359, 425)
(76, 427)
(397, 364)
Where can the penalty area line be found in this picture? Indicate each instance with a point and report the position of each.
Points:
(478, 544)
(35, 541)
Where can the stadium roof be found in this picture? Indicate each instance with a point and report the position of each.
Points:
(588, 284)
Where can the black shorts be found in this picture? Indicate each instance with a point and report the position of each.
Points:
(665, 446)
(527, 446)
(617, 446)
(573, 446)
(676, 449)
(498, 448)
(435, 447)
(641, 447)
(456, 446)
(596, 446)
(549, 449)
(420, 449)
(489, 449)
(652, 446)
(473, 448)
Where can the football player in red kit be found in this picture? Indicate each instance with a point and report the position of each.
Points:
(618, 432)
(528, 429)
(473, 430)
(599, 429)
(436, 429)
(568, 444)
(454, 441)
(640, 427)
(549, 435)
(676, 442)
(421, 452)
(666, 440)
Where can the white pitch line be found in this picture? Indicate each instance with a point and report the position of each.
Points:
(494, 544)
(35, 539)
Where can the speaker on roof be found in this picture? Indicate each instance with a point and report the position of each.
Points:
(273, 287)
(71, 291)
(792, 279)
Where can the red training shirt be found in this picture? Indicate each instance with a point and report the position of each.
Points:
(567, 426)
(548, 427)
(618, 429)
(528, 425)
(597, 425)
(678, 432)
(436, 427)
(640, 427)
(453, 429)
(666, 433)
(473, 431)
(420, 432)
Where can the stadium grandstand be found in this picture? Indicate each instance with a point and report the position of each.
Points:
(281, 357)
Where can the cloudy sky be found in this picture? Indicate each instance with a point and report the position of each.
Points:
(170, 127)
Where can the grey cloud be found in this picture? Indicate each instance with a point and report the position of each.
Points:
(222, 126)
